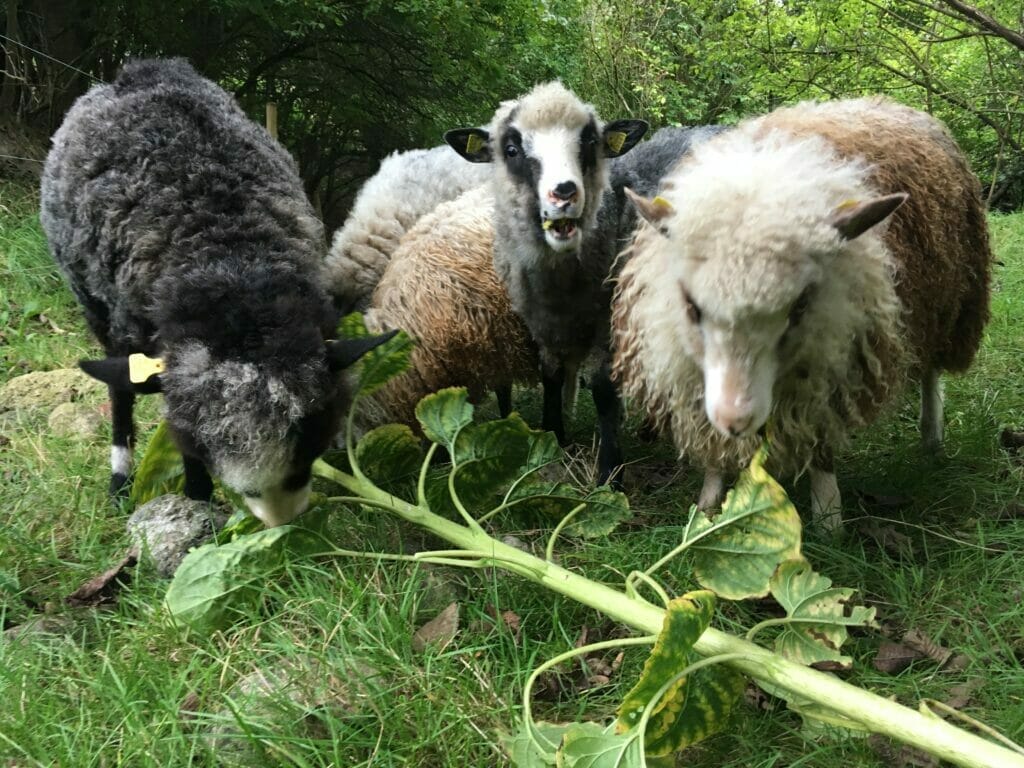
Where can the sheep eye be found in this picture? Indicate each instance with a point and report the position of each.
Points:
(511, 150)
(692, 310)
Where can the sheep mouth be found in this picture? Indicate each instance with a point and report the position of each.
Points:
(564, 229)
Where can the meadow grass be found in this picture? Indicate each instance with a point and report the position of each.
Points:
(932, 543)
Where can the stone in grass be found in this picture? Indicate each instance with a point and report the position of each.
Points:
(288, 699)
(167, 527)
(75, 420)
(47, 389)
(41, 628)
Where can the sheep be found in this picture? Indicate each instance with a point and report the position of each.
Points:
(548, 189)
(765, 286)
(183, 231)
(440, 286)
(407, 185)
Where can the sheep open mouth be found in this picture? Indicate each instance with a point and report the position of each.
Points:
(563, 229)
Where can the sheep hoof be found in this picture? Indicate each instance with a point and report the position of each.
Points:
(120, 485)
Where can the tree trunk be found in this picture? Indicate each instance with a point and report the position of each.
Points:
(9, 92)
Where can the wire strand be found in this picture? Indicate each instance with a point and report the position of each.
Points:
(29, 159)
(51, 58)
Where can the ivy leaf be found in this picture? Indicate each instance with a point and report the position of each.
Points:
(605, 511)
(217, 583)
(379, 365)
(588, 745)
(817, 611)
(444, 414)
(694, 706)
(736, 553)
(390, 454)
(161, 469)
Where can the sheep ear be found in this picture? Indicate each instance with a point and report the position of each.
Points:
(620, 136)
(124, 375)
(853, 218)
(472, 143)
(341, 353)
(655, 210)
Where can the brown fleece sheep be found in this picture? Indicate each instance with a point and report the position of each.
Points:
(765, 290)
(440, 287)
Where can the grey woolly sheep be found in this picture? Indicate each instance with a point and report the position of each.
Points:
(441, 288)
(763, 289)
(407, 185)
(183, 231)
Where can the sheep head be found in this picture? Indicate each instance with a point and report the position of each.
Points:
(549, 150)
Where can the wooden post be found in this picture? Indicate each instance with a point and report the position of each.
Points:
(272, 118)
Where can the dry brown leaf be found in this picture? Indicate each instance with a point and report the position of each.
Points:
(439, 631)
(960, 695)
(919, 641)
(893, 658)
(103, 588)
(888, 538)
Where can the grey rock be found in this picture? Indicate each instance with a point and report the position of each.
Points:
(167, 527)
(46, 389)
(47, 628)
(76, 420)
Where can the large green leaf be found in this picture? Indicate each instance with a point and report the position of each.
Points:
(378, 365)
(215, 584)
(522, 751)
(736, 552)
(487, 458)
(695, 706)
(605, 511)
(588, 745)
(444, 414)
(817, 613)
(544, 450)
(161, 469)
(390, 455)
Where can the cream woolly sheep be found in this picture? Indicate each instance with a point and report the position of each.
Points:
(407, 185)
(764, 289)
(441, 288)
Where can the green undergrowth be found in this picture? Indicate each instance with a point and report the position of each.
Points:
(932, 544)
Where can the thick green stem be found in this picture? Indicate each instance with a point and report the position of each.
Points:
(876, 713)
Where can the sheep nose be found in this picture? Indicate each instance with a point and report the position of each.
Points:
(734, 419)
(564, 192)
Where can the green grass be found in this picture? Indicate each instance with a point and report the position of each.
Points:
(126, 687)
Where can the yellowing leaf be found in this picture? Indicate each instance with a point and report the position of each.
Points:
(817, 614)
(444, 414)
(736, 553)
(161, 469)
(692, 712)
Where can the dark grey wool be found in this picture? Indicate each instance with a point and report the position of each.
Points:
(183, 229)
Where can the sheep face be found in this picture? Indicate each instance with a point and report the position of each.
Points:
(550, 151)
(746, 294)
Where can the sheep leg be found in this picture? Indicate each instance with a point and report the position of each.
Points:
(712, 491)
(198, 484)
(609, 417)
(552, 419)
(504, 394)
(932, 424)
(122, 406)
(826, 503)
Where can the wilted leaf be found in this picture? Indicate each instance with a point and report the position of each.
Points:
(919, 641)
(439, 631)
(102, 588)
(588, 745)
(544, 449)
(216, 583)
(444, 414)
(522, 751)
(817, 629)
(380, 364)
(605, 511)
(960, 695)
(389, 454)
(893, 658)
(695, 706)
(486, 459)
(736, 553)
(161, 469)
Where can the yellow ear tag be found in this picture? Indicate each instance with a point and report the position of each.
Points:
(661, 202)
(615, 140)
(140, 367)
(473, 144)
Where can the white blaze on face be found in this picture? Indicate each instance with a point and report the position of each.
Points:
(558, 151)
(276, 506)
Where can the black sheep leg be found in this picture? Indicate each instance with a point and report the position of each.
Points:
(504, 395)
(609, 417)
(122, 406)
(198, 484)
(552, 419)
